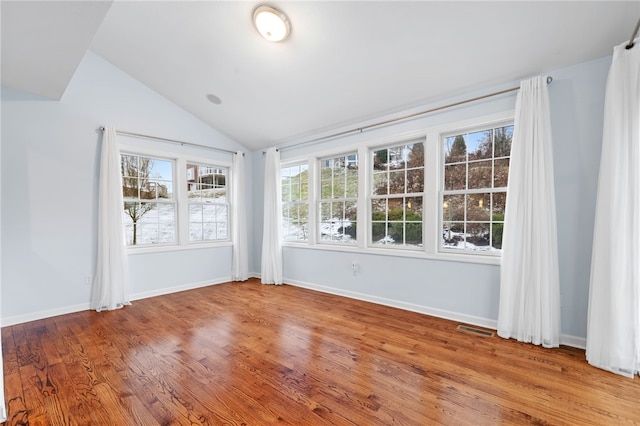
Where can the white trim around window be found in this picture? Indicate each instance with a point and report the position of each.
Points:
(180, 160)
(432, 204)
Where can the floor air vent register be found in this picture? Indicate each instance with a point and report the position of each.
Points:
(475, 331)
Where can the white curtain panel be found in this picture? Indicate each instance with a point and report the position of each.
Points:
(613, 332)
(111, 283)
(529, 280)
(239, 261)
(271, 271)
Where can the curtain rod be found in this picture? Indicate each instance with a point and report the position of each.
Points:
(633, 36)
(123, 132)
(401, 118)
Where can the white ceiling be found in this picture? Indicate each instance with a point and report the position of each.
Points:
(345, 61)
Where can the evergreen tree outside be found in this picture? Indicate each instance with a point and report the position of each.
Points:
(475, 189)
(398, 186)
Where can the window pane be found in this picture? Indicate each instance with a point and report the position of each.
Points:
(397, 219)
(397, 182)
(209, 212)
(474, 221)
(338, 194)
(207, 194)
(413, 233)
(480, 145)
(148, 213)
(352, 182)
(415, 155)
(480, 174)
(499, 203)
(455, 149)
(380, 183)
(129, 165)
(161, 169)
(497, 229)
(147, 233)
(209, 231)
(195, 232)
(325, 211)
(326, 189)
(222, 231)
(478, 236)
(455, 177)
(195, 213)
(413, 207)
(222, 214)
(453, 235)
(415, 180)
(130, 187)
(478, 207)
(380, 159)
(453, 208)
(501, 173)
(167, 233)
(503, 138)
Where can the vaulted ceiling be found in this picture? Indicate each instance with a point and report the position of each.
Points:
(345, 61)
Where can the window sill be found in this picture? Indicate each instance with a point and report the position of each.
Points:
(170, 248)
(415, 254)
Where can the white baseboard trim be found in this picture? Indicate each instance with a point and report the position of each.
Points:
(435, 312)
(34, 316)
(573, 341)
(565, 339)
(176, 289)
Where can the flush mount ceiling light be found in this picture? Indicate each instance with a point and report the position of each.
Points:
(271, 23)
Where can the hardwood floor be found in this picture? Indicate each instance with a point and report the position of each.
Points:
(250, 354)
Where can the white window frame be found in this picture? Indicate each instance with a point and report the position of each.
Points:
(215, 203)
(320, 200)
(298, 203)
(432, 204)
(180, 195)
(371, 196)
(467, 191)
(170, 201)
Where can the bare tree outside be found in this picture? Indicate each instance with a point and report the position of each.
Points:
(149, 206)
(136, 184)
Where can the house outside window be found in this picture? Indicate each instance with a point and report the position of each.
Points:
(397, 193)
(474, 191)
(338, 206)
(149, 213)
(208, 202)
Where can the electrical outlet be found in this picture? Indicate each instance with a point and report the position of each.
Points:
(88, 279)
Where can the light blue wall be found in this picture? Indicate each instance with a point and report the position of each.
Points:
(471, 291)
(50, 159)
(50, 169)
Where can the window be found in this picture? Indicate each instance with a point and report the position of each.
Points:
(339, 199)
(295, 202)
(208, 202)
(149, 203)
(397, 195)
(437, 192)
(474, 193)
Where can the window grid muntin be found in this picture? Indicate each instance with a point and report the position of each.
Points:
(491, 190)
(207, 202)
(295, 206)
(338, 210)
(136, 219)
(391, 151)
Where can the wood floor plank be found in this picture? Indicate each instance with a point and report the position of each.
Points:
(250, 354)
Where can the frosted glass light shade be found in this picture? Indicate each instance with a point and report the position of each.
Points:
(272, 24)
